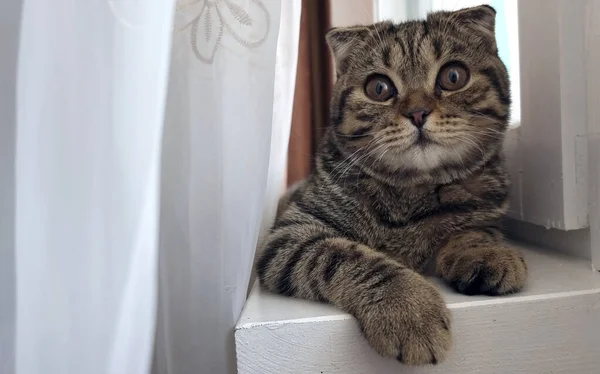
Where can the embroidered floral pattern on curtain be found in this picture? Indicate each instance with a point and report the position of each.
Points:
(207, 20)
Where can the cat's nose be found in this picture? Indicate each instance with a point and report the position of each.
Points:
(417, 116)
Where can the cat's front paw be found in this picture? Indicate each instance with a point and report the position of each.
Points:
(493, 270)
(411, 324)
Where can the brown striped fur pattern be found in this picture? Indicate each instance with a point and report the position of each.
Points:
(382, 203)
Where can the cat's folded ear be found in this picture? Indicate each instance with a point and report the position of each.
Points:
(342, 41)
(480, 19)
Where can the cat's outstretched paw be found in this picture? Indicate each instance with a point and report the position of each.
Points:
(412, 324)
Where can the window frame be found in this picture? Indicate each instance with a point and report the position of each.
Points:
(547, 154)
(592, 56)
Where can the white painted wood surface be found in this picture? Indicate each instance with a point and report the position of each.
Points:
(553, 326)
(573, 242)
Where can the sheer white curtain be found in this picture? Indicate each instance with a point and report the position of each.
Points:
(130, 167)
(91, 84)
(227, 121)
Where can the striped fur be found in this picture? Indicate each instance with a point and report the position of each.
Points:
(380, 206)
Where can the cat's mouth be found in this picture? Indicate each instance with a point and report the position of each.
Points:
(423, 139)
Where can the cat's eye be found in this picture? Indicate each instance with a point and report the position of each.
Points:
(453, 76)
(380, 88)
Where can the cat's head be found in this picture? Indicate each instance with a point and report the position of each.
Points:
(420, 97)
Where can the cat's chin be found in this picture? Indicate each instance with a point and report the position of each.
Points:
(426, 155)
(423, 156)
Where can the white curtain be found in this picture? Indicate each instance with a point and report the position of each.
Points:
(143, 146)
(224, 150)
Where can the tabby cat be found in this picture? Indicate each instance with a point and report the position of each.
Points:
(410, 170)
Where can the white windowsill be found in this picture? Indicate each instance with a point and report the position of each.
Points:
(553, 325)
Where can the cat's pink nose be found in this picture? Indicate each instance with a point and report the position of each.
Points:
(417, 116)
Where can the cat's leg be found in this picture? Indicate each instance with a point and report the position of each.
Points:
(480, 262)
(401, 314)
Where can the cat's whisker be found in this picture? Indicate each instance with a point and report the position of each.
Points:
(378, 43)
(488, 133)
(357, 37)
(350, 166)
(361, 158)
(332, 173)
(477, 114)
(380, 157)
(355, 136)
(380, 144)
(336, 175)
(474, 143)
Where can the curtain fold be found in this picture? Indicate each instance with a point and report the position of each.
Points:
(226, 131)
(10, 15)
(91, 84)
